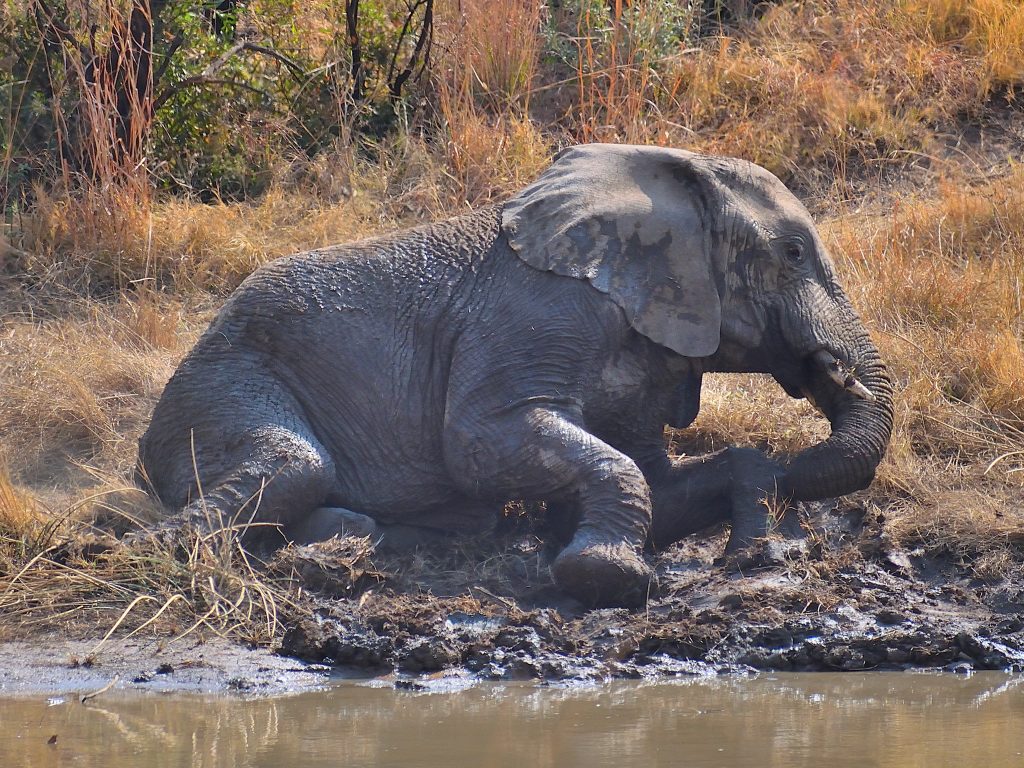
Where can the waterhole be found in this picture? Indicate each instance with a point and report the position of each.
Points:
(882, 719)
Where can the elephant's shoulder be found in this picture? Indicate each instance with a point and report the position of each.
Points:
(465, 238)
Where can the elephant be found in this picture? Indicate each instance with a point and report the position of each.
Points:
(530, 350)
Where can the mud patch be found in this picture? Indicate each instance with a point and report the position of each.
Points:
(848, 599)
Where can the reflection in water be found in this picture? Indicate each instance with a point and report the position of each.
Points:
(881, 719)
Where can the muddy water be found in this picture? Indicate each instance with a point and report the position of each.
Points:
(902, 720)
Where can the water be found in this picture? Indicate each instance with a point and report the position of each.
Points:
(880, 719)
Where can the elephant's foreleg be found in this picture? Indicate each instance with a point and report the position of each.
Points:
(543, 453)
(735, 485)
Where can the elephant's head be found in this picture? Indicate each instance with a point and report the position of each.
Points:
(714, 259)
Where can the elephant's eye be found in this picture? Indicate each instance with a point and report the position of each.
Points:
(794, 253)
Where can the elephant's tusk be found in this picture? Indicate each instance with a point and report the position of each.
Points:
(841, 375)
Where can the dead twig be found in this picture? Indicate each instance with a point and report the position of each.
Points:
(104, 689)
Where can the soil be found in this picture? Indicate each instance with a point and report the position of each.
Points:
(845, 598)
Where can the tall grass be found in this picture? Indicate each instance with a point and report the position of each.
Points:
(991, 30)
(946, 272)
(483, 82)
(496, 50)
(101, 102)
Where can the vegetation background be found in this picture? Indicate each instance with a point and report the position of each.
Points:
(155, 152)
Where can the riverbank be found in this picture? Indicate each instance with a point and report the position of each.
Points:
(848, 599)
(51, 665)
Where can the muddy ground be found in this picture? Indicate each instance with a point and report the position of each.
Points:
(846, 598)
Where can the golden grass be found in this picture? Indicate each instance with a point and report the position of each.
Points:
(483, 85)
(992, 30)
(21, 518)
(116, 244)
(940, 280)
(207, 584)
(103, 243)
(494, 54)
(733, 412)
(810, 90)
(79, 374)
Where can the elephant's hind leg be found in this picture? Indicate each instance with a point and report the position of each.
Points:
(229, 445)
(273, 478)
(326, 522)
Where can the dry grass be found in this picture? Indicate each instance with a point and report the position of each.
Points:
(493, 55)
(811, 90)
(990, 30)
(80, 376)
(101, 244)
(821, 92)
(483, 84)
(22, 521)
(197, 583)
(940, 280)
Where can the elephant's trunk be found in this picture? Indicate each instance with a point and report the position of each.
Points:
(861, 427)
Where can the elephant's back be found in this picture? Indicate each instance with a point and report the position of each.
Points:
(361, 294)
(362, 336)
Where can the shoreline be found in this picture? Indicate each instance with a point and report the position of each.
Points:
(488, 611)
(52, 666)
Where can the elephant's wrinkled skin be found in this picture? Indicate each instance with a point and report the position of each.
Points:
(533, 350)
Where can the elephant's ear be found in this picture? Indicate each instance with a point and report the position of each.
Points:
(635, 223)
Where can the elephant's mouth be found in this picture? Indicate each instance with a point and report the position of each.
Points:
(839, 374)
(801, 378)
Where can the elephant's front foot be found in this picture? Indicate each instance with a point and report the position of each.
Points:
(756, 521)
(766, 531)
(602, 574)
(738, 486)
(769, 551)
(762, 519)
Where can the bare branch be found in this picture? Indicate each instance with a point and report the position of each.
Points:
(197, 80)
(295, 69)
(207, 76)
(172, 49)
(422, 42)
(401, 36)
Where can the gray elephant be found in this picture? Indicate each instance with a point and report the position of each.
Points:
(532, 350)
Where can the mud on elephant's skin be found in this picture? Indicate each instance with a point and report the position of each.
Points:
(532, 350)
